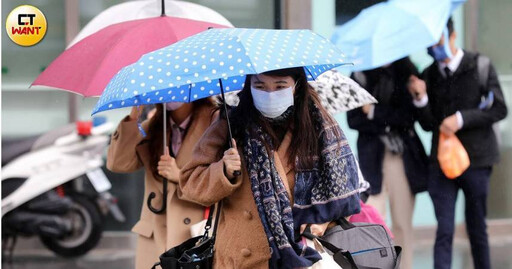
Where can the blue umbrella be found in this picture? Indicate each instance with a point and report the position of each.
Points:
(201, 65)
(391, 30)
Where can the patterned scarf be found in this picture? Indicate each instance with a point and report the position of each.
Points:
(327, 192)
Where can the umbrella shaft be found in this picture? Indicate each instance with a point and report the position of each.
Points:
(165, 127)
(226, 111)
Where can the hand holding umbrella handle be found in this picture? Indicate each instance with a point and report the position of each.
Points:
(164, 180)
(235, 173)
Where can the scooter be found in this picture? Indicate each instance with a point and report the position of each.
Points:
(53, 187)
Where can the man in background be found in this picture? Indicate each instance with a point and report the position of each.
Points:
(460, 95)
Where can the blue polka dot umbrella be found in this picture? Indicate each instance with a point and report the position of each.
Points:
(217, 59)
(213, 62)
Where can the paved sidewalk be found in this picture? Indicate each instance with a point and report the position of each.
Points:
(116, 250)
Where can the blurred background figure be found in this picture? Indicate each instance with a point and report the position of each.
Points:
(460, 95)
(390, 153)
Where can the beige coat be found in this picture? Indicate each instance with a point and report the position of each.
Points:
(241, 241)
(157, 233)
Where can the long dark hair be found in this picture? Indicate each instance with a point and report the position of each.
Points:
(304, 134)
(156, 128)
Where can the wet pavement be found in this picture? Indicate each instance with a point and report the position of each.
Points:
(117, 250)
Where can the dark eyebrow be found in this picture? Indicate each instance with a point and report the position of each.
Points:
(281, 82)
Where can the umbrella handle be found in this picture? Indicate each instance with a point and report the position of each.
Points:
(235, 173)
(164, 199)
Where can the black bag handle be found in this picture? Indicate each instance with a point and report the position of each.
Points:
(347, 261)
(332, 248)
(345, 224)
(209, 221)
(217, 217)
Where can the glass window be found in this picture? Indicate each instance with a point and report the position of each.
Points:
(348, 9)
(493, 41)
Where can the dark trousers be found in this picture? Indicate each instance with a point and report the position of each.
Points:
(443, 191)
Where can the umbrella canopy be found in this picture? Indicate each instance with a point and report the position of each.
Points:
(391, 30)
(199, 66)
(340, 93)
(134, 10)
(87, 67)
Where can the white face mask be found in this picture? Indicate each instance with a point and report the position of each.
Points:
(173, 105)
(272, 104)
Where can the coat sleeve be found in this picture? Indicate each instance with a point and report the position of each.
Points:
(425, 114)
(359, 121)
(474, 118)
(122, 156)
(202, 179)
(401, 114)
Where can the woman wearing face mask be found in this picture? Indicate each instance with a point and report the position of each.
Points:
(130, 151)
(296, 169)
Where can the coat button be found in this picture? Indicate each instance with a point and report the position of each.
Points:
(186, 221)
(245, 252)
(248, 215)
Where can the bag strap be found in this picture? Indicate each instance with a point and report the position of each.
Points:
(332, 248)
(348, 262)
(208, 225)
(217, 217)
(483, 64)
(345, 224)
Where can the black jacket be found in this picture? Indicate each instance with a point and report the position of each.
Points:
(394, 113)
(462, 92)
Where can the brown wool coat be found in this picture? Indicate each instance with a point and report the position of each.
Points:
(241, 241)
(127, 153)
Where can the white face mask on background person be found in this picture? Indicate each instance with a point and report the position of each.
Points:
(272, 104)
(173, 105)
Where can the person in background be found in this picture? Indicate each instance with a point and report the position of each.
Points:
(129, 151)
(390, 153)
(449, 101)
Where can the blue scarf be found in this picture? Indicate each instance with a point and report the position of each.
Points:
(327, 192)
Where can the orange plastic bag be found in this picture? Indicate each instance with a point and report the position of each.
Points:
(452, 156)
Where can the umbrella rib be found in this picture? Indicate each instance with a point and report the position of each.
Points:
(307, 69)
(189, 92)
